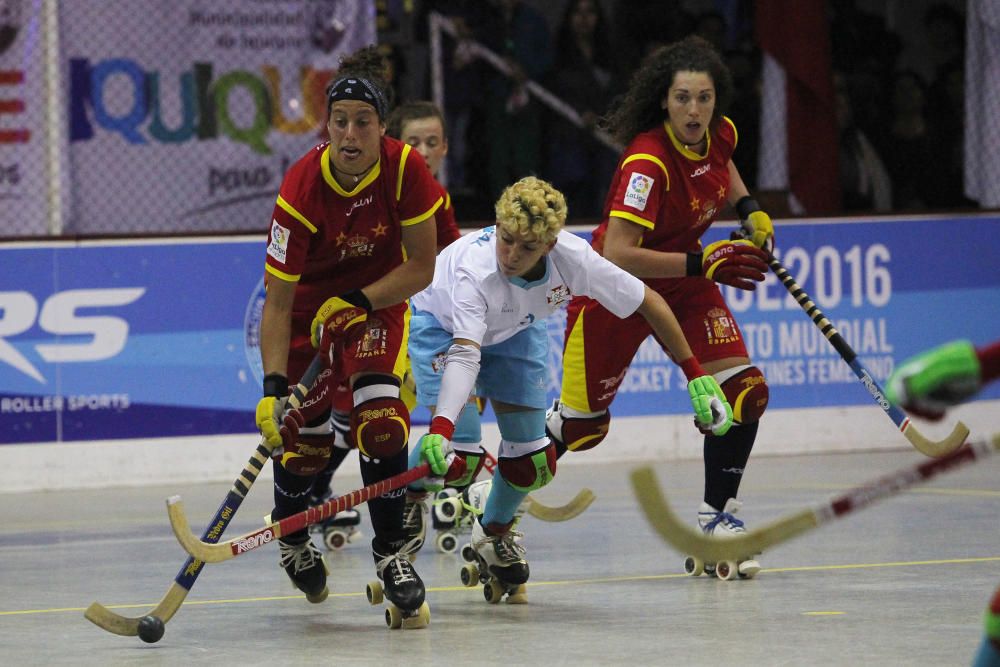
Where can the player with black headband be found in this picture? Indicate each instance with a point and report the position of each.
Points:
(352, 237)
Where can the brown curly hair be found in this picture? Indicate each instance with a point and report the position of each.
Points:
(366, 63)
(532, 207)
(639, 109)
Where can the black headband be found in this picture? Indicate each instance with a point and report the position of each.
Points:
(357, 88)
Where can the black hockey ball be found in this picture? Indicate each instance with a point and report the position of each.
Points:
(151, 629)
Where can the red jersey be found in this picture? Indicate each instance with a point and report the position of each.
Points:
(331, 241)
(673, 193)
(447, 228)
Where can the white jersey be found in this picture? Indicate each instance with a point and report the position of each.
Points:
(471, 298)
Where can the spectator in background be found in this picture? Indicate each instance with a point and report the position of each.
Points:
(583, 77)
(943, 42)
(513, 120)
(946, 117)
(909, 154)
(864, 180)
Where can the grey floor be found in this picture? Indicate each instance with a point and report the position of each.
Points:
(904, 582)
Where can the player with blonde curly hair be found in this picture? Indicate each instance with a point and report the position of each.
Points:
(478, 328)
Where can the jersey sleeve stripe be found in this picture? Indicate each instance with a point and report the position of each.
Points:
(422, 216)
(288, 277)
(633, 217)
(736, 135)
(652, 158)
(295, 214)
(402, 165)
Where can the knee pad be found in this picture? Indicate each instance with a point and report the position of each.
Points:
(380, 427)
(746, 390)
(576, 433)
(308, 455)
(474, 460)
(530, 471)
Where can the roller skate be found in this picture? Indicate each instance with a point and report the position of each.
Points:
(722, 524)
(499, 562)
(339, 530)
(451, 519)
(399, 584)
(307, 569)
(414, 524)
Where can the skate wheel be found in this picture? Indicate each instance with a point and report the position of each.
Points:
(694, 566)
(419, 618)
(518, 595)
(374, 592)
(448, 510)
(726, 570)
(748, 569)
(335, 540)
(446, 543)
(492, 592)
(393, 616)
(468, 554)
(469, 575)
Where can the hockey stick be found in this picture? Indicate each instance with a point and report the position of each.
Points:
(922, 444)
(127, 626)
(690, 541)
(543, 512)
(210, 552)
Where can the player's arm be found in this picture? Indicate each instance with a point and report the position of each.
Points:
(755, 223)
(413, 275)
(712, 410)
(276, 325)
(623, 246)
(457, 383)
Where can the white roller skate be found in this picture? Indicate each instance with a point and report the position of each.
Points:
(451, 519)
(722, 524)
(499, 564)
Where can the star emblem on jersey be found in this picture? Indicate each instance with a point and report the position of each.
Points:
(721, 193)
(341, 237)
(695, 203)
(380, 230)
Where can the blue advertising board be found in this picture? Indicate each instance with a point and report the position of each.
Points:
(157, 339)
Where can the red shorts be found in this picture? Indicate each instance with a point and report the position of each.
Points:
(593, 369)
(377, 347)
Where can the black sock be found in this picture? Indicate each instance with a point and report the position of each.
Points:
(291, 496)
(322, 482)
(386, 512)
(725, 458)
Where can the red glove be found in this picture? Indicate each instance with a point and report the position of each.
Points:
(738, 263)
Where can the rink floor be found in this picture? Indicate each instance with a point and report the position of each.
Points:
(904, 582)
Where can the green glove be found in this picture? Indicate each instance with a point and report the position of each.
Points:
(712, 412)
(932, 381)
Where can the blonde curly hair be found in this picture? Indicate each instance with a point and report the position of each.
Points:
(532, 207)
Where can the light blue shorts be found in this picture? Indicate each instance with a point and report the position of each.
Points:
(513, 371)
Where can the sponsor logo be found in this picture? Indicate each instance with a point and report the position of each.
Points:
(59, 316)
(873, 389)
(278, 247)
(254, 541)
(704, 169)
(359, 203)
(639, 187)
(557, 296)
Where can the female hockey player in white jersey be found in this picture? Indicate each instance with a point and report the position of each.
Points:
(477, 329)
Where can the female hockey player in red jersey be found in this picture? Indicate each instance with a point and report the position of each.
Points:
(674, 178)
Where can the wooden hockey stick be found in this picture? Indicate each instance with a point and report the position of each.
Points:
(210, 552)
(687, 540)
(128, 626)
(543, 512)
(920, 442)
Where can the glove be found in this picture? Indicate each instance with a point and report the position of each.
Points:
(435, 449)
(931, 382)
(756, 224)
(275, 425)
(336, 316)
(712, 412)
(738, 263)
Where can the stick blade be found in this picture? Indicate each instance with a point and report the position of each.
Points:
(937, 448)
(108, 620)
(570, 510)
(688, 541)
(207, 553)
